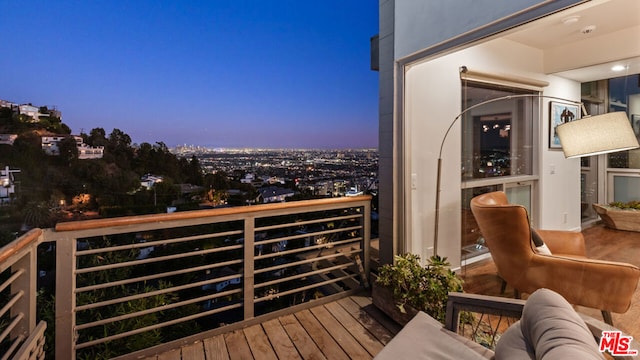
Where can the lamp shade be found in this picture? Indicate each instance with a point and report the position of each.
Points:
(599, 134)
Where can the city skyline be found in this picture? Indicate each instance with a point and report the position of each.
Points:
(233, 74)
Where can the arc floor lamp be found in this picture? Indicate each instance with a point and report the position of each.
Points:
(590, 135)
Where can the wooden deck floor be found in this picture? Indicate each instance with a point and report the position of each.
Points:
(350, 328)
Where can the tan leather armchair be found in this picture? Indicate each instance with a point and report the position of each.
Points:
(604, 285)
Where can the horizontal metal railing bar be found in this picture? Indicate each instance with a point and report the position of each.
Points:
(302, 288)
(308, 248)
(157, 309)
(14, 346)
(306, 261)
(14, 299)
(264, 210)
(301, 275)
(307, 222)
(155, 326)
(302, 236)
(148, 294)
(16, 274)
(10, 253)
(157, 259)
(34, 344)
(156, 243)
(12, 325)
(158, 276)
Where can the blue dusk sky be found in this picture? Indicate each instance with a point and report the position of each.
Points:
(219, 73)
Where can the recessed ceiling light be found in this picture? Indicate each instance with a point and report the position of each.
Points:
(588, 29)
(618, 68)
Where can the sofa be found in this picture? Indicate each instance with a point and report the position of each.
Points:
(549, 328)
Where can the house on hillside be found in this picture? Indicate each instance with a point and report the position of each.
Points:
(7, 185)
(8, 139)
(148, 181)
(272, 194)
(29, 110)
(51, 146)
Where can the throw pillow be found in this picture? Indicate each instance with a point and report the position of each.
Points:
(538, 244)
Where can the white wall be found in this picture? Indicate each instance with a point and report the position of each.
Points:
(423, 24)
(432, 94)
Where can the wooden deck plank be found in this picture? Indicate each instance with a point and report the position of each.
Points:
(193, 351)
(348, 343)
(303, 342)
(380, 332)
(238, 347)
(170, 355)
(282, 344)
(382, 318)
(355, 328)
(259, 343)
(215, 348)
(330, 347)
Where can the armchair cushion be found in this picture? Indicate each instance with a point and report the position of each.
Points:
(549, 329)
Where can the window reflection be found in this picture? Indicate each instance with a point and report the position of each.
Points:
(624, 95)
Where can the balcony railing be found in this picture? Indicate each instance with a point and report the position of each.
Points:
(123, 285)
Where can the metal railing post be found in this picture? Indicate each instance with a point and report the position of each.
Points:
(65, 298)
(25, 283)
(249, 266)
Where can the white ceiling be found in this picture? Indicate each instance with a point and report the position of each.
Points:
(594, 26)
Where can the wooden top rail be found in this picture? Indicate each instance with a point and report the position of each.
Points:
(18, 244)
(185, 215)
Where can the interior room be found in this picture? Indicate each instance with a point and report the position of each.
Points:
(586, 53)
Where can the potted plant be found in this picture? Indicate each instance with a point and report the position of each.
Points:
(403, 288)
(620, 215)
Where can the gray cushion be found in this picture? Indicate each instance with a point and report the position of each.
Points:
(551, 329)
(423, 338)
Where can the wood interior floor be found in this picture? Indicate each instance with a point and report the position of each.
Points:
(601, 243)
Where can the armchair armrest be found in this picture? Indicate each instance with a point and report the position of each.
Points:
(509, 307)
(493, 305)
(563, 242)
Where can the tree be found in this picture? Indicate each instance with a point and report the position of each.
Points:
(68, 150)
(119, 149)
(194, 172)
(97, 137)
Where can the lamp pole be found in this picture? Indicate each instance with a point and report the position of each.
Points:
(439, 170)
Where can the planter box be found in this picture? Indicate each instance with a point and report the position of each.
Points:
(382, 298)
(619, 219)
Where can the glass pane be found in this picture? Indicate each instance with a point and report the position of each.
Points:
(626, 188)
(624, 95)
(472, 241)
(497, 138)
(520, 195)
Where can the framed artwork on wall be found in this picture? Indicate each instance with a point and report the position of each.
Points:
(560, 113)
